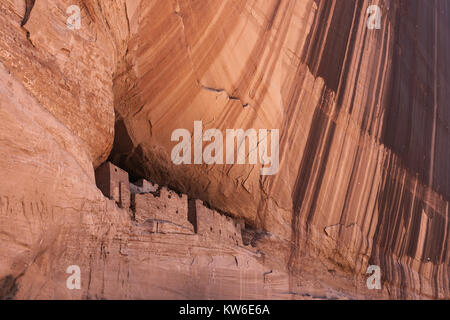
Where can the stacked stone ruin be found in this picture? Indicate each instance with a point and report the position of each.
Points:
(164, 211)
(114, 184)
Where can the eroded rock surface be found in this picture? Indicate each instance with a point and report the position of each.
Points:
(363, 117)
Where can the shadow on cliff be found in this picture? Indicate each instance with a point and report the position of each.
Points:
(8, 288)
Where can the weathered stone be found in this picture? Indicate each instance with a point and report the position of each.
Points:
(114, 183)
(166, 206)
(125, 195)
(216, 226)
(143, 186)
(364, 173)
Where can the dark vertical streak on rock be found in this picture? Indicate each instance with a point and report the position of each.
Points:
(29, 4)
(302, 182)
(410, 126)
(321, 171)
(8, 288)
(351, 47)
(414, 223)
(318, 143)
(330, 42)
(400, 224)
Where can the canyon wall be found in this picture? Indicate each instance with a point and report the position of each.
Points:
(363, 119)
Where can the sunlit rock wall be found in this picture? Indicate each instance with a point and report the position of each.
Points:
(362, 113)
(364, 145)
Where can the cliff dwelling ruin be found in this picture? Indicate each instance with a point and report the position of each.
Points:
(90, 99)
(164, 211)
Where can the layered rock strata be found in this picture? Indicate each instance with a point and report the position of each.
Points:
(363, 118)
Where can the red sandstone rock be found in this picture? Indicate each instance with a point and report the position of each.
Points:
(364, 149)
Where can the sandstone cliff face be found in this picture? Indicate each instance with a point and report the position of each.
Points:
(364, 173)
